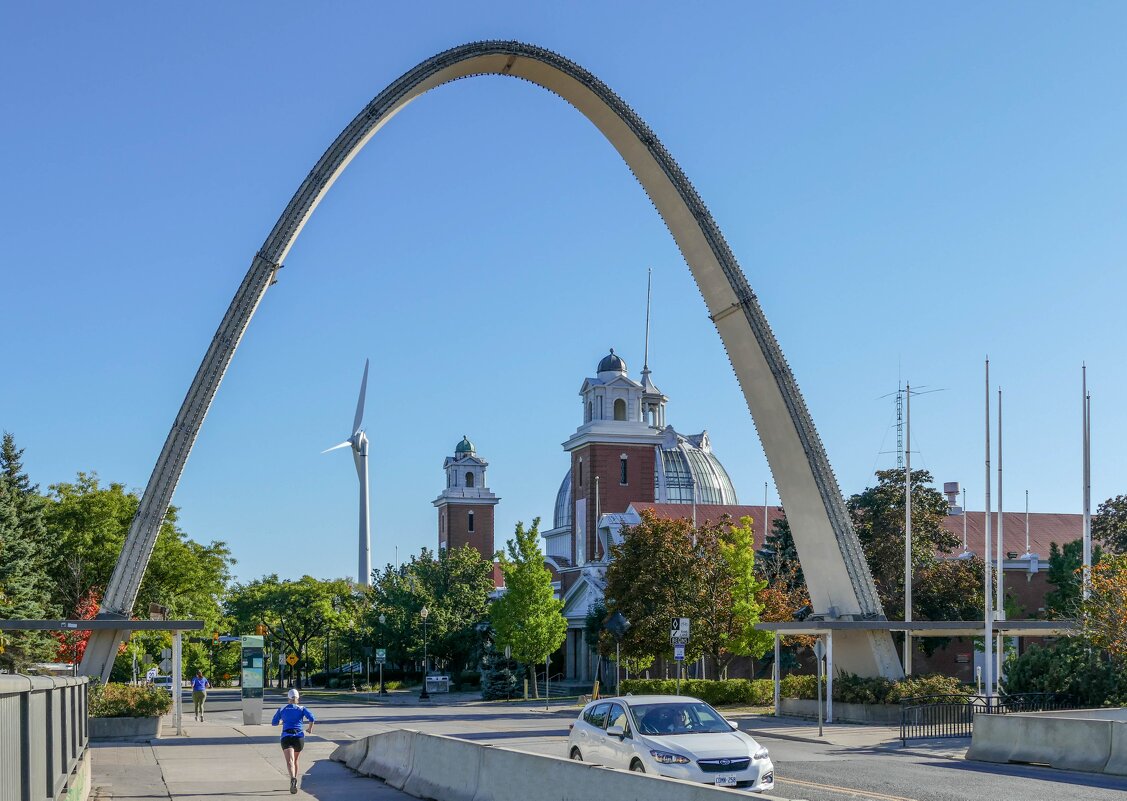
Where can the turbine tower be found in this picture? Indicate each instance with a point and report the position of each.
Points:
(359, 444)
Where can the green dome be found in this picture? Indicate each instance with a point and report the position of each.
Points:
(465, 446)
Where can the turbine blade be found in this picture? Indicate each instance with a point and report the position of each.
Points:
(346, 444)
(360, 403)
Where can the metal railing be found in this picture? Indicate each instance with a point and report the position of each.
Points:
(43, 735)
(939, 716)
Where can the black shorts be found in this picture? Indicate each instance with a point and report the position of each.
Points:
(294, 742)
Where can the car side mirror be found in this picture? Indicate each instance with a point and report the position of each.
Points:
(735, 726)
(616, 731)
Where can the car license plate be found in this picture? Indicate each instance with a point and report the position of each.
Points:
(725, 781)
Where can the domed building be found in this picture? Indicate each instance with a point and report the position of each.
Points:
(624, 457)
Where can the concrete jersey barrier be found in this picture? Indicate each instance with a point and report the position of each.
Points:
(1086, 740)
(448, 769)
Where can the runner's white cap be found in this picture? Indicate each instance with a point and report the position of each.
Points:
(293, 695)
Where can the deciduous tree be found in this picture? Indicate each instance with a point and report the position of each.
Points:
(527, 617)
(1109, 525)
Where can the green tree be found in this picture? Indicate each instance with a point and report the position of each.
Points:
(295, 613)
(780, 562)
(942, 588)
(1109, 525)
(737, 549)
(24, 585)
(528, 617)
(667, 568)
(88, 524)
(654, 576)
(1064, 575)
(454, 586)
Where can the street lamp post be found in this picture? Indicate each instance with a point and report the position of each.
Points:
(383, 620)
(351, 658)
(424, 613)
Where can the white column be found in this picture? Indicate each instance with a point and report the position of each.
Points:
(177, 680)
(988, 611)
(776, 674)
(830, 676)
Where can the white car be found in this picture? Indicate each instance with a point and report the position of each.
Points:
(163, 681)
(670, 735)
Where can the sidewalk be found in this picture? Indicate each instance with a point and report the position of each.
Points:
(217, 761)
(850, 735)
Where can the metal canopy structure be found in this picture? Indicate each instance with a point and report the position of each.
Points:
(100, 625)
(826, 629)
(832, 559)
(927, 628)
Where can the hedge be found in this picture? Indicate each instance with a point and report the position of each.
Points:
(853, 689)
(757, 692)
(848, 688)
(115, 700)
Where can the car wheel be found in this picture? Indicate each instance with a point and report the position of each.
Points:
(637, 767)
(578, 757)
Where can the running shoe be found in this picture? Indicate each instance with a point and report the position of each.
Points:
(293, 785)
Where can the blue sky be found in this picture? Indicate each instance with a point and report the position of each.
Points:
(907, 188)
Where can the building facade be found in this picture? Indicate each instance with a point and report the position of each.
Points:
(466, 508)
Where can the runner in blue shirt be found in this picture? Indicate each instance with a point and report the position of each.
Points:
(200, 686)
(291, 716)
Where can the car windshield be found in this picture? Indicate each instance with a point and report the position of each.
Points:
(683, 717)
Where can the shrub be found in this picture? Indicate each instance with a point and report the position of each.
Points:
(794, 685)
(915, 686)
(853, 689)
(758, 692)
(115, 700)
(392, 685)
(1069, 666)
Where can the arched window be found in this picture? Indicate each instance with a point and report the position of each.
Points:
(588, 420)
(469, 521)
(601, 407)
(581, 472)
(469, 479)
(622, 469)
(620, 409)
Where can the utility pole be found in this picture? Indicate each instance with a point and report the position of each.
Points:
(908, 531)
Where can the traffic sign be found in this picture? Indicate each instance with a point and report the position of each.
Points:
(679, 630)
(679, 653)
(230, 638)
(152, 673)
(291, 660)
(166, 665)
(381, 655)
(819, 648)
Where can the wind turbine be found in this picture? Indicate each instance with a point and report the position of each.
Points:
(359, 444)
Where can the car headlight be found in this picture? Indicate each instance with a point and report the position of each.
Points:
(760, 754)
(666, 758)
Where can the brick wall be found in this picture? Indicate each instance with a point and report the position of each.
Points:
(457, 527)
(603, 460)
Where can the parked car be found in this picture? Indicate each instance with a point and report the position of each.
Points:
(670, 735)
(163, 681)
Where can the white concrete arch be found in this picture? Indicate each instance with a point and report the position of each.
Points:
(839, 578)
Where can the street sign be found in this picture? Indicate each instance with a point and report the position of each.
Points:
(291, 660)
(381, 655)
(679, 630)
(679, 653)
(230, 638)
(166, 665)
(152, 673)
(165, 653)
(819, 648)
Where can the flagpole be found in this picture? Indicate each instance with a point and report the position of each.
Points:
(1086, 577)
(999, 578)
(988, 612)
(908, 530)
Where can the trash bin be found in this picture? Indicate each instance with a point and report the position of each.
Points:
(438, 684)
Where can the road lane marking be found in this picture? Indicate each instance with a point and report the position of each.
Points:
(847, 790)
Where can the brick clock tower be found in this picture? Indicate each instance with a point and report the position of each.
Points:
(613, 452)
(466, 506)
